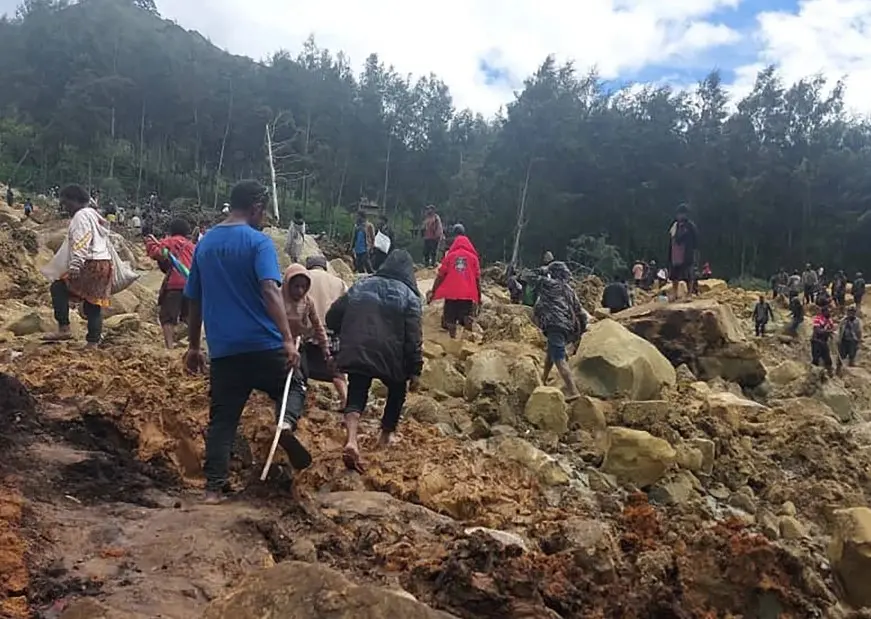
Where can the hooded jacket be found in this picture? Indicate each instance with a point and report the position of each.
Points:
(379, 323)
(459, 272)
(558, 306)
(302, 315)
(685, 234)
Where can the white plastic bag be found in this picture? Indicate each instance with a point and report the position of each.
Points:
(123, 275)
(382, 242)
(59, 264)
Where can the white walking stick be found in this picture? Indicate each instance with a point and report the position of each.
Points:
(279, 427)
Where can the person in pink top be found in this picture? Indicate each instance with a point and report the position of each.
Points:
(170, 299)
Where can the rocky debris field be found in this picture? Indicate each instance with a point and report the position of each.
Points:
(704, 473)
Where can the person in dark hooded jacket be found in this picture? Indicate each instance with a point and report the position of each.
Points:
(380, 336)
(616, 297)
(858, 290)
(559, 315)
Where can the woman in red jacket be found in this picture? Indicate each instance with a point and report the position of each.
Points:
(173, 306)
(458, 282)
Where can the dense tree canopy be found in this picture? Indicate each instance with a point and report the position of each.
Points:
(105, 92)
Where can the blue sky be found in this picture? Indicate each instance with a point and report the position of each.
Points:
(483, 49)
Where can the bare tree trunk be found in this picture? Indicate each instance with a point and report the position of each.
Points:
(223, 145)
(521, 213)
(197, 168)
(112, 150)
(141, 152)
(272, 173)
(338, 200)
(18, 165)
(308, 131)
(386, 173)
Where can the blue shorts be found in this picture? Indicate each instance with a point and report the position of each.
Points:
(556, 345)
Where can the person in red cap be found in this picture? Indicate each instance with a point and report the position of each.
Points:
(458, 282)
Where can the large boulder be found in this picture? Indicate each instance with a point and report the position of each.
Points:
(703, 334)
(731, 408)
(496, 370)
(850, 553)
(786, 372)
(545, 468)
(611, 361)
(29, 324)
(637, 457)
(311, 591)
(441, 375)
(546, 410)
(838, 399)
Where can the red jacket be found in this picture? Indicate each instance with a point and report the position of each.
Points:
(178, 246)
(460, 271)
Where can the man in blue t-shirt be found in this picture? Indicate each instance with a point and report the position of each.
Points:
(234, 288)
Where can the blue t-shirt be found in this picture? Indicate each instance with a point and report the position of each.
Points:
(360, 246)
(229, 263)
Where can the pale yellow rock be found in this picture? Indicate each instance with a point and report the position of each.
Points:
(589, 414)
(850, 553)
(546, 410)
(637, 456)
(548, 471)
(441, 375)
(611, 361)
(731, 408)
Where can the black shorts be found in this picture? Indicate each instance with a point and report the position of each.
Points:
(682, 273)
(457, 312)
(173, 307)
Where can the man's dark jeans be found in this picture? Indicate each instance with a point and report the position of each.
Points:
(231, 381)
(60, 303)
(358, 396)
(430, 251)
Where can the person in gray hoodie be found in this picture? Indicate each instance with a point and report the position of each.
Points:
(849, 338)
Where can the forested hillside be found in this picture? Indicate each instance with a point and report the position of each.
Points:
(106, 92)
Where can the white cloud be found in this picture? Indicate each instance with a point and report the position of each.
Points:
(451, 37)
(830, 37)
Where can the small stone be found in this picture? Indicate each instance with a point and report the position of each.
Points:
(743, 502)
(503, 430)
(27, 325)
(787, 509)
(684, 374)
(503, 537)
(791, 528)
(676, 491)
(479, 429)
(304, 550)
(644, 412)
(769, 525)
(708, 450)
(719, 492)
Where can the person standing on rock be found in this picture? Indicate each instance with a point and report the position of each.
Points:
(88, 276)
(779, 283)
(295, 237)
(170, 299)
(793, 284)
(433, 235)
(559, 315)
(823, 328)
(233, 288)
(325, 290)
(682, 245)
(809, 281)
(362, 243)
(849, 338)
(858, 291)
(10, 195)
(762, 313)
(796, 310)
(458, 282)
(638, 273)
(380, 328)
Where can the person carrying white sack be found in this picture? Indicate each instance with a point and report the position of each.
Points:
(83, 268)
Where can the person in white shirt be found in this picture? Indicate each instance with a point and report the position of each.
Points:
(88, 276)
(136, 224)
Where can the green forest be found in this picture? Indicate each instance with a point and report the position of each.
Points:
(109, 94)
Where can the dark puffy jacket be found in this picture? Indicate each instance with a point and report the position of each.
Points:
(859, 288)
(379, 323)
(616, 297)
(558, 307)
